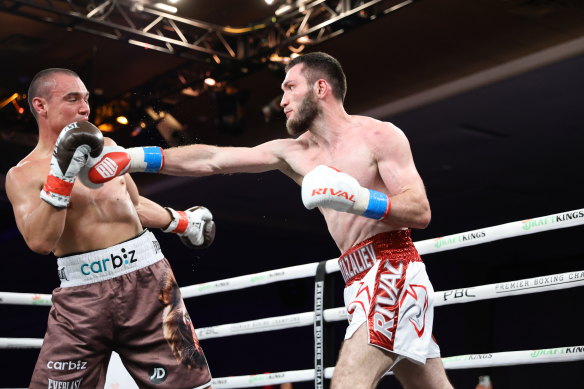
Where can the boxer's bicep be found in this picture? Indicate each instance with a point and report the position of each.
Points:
(393, 155)
(20, 194)
(257, 159)
(40, 224)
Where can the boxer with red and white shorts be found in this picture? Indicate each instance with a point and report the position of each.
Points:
(388, 289)
(123, 298)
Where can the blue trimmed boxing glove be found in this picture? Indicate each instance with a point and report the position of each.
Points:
(327, 187)
(115, 161)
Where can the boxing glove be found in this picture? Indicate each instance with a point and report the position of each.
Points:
(115, 161)
(75, 144)
(195, 226)
(327, 187)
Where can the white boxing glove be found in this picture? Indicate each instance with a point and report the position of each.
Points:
(195, 226)
(327, 187)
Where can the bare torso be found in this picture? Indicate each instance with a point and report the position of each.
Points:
(96, 218)
(353, 154)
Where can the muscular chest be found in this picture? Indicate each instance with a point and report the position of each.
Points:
(109, 195)
(352, 157)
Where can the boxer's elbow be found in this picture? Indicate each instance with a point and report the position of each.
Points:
(39, 246)
(423, 216)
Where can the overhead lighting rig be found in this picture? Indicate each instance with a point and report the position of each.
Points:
(219, 52)
(140, 22)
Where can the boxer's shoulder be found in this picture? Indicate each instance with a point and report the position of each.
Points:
(29, 167)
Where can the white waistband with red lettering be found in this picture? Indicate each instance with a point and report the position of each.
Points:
(104, 264)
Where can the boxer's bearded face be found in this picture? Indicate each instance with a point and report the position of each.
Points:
(305, 114)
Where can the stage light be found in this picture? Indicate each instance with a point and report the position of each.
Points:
(122, 120)
(166, 8)
(283, 9)
(106, 127)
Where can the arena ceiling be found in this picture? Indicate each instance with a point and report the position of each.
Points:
(497, 57)
(489, 94)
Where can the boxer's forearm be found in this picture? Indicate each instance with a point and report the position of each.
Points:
(151, 214)
(42, 227)
(204, 160)
(192, 160)
(409, 209)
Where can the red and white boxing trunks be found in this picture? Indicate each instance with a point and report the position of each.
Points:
(387, 287)
(123, 298)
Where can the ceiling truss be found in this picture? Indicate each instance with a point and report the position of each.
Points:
(230, 52)
(137, 22)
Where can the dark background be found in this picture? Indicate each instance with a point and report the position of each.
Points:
(489, 94)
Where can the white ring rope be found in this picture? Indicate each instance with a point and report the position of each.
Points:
(428, 246)
(502, 231)
(510, 288)
(469, 361)
(19, 343)
(454, 296)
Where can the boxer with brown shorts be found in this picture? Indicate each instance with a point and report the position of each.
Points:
(123, 298)
(117, 290)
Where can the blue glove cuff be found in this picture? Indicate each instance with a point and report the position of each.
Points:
(377, 207)
(153, 158)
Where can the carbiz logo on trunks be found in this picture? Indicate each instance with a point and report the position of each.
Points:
(76, 384)
(66, 365)
(109, 264)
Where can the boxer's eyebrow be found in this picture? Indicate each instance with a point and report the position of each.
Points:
(77, 95)
(285, 84)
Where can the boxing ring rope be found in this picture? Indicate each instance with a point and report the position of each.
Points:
(454, 296)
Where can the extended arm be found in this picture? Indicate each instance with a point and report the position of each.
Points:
(192, 160)
(203, 160)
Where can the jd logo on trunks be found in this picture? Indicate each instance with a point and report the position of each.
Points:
(157, 374)
(108, 264)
